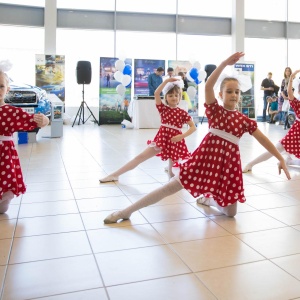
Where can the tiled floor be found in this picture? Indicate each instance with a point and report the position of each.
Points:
(54, 245)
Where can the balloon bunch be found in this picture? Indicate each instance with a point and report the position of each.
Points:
(196, 75)
(123, 75)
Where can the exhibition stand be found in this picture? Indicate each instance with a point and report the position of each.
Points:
(57, 108)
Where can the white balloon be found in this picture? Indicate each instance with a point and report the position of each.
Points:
(202, 75)
(197, 65)
(119, 64)
(126, 80)
(191, 91)
(121, 89)
(188, 77)
(118, 76)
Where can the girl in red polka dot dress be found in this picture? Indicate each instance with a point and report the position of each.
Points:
(214, 171)
(12, 119)
(290, 144)
(169, 141)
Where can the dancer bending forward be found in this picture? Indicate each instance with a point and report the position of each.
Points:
(214, 170)
(169, 141)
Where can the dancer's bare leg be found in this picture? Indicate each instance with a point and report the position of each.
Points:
(5, 201)
(263, 157)
(171, 174)
(146, 154)
(229, 211)
(168, 189)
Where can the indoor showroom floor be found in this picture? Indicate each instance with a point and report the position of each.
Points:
(54, 245)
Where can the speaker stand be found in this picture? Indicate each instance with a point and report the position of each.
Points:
(80, 112)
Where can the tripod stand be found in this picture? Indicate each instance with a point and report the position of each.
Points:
(80, 112)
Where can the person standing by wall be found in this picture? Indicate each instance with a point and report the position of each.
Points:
(154, 80)
(267, 86)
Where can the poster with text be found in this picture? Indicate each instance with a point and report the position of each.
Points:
(50, 74)
(247, 103)
(142, 69)
(114, 96)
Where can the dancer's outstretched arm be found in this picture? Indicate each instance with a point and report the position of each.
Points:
(266, 143)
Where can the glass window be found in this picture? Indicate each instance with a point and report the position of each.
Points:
(146, 6)
(271, 10)
(266, 61)
(212, 8)
(293, 11)
(39, 3)
(87, 4)
(79, 45)
(20, 52)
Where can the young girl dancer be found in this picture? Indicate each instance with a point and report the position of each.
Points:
(12, 119)
(214, 170)
(291, 142)
(169, 142)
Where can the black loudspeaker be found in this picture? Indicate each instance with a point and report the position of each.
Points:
(209, 69)
(84, 72)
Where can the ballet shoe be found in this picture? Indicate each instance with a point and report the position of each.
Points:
(203, 200)
(247, 168)
(109, 178)
(114, 217)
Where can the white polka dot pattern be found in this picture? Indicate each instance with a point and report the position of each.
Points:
(12, 119)
(291, 142)
(176, 117)
(215, 167)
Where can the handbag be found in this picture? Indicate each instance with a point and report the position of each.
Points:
(285, 105)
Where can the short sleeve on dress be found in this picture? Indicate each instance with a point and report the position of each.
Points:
(250, 125)
(211, 109)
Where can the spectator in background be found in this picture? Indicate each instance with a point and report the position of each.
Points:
(273, 108)
(267, 86)
(170, 72)
(154, 80)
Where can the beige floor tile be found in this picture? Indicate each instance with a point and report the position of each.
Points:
(248, 222)
(287, 215)
(254, 190)
(215, 253)
(31, 179)
(97, 294)
(94, 220)
(171, 212)
(35, 197)
(48, 225)
(139, 188)
(129, 237)
(85, 183)
(281, 187)
(291, 194)
(97, 204)
(271, 201)
(5, 245)
(273, 243)
(48, 209)
(175, 288)
(255, 281)
(133, 180)
(74, 176)
(48, 186)
(173, 199)
(290, 264)
(141, 264)
(7, 228)
(12, 212)
(98, 192)
(188, 230)
(50, 246)
(51, 277)
(2, 274)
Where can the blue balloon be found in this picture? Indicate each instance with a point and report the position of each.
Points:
(194, 73)
(128, 85)
(127, 70)
(197, 81)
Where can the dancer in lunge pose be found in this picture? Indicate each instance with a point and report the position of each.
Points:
(169, 141)
(290, 144)
(12, 119)
(214, 170)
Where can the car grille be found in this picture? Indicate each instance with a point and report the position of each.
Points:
(15, 97)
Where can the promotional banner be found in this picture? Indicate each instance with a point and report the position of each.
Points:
(114, 90)
(142, 69)
(247, 103)
(50, 74)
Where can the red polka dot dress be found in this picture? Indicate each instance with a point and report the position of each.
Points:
(174, 118)
(12, 119)
(291, 142)
(214, 169)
